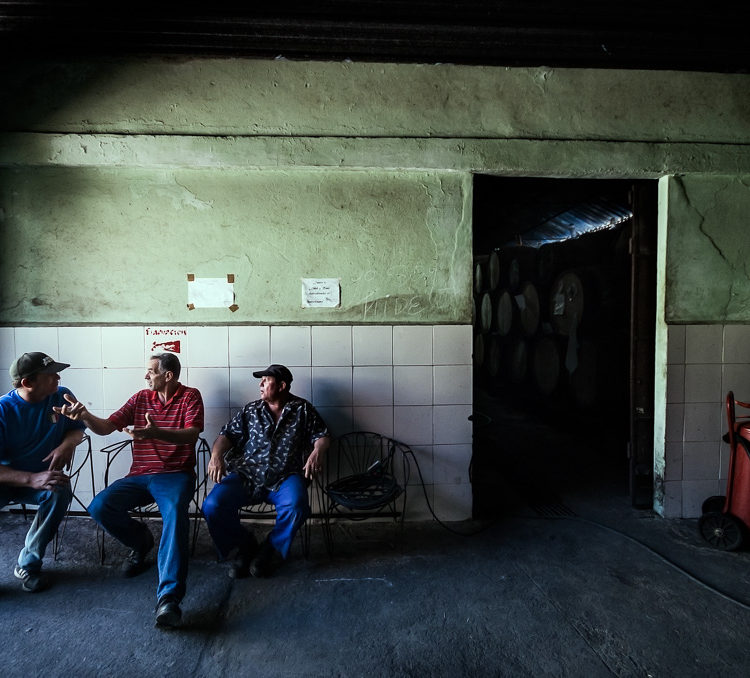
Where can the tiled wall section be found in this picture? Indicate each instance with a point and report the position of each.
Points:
(704, 362)
(410, 382)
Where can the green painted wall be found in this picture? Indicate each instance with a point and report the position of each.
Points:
(708, 249)
(101, 245)
(118, 178)
(218, 97)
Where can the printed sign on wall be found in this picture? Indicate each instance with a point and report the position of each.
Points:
(161, 339)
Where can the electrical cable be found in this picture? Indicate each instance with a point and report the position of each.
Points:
(665, 559)
(432, 512)
(662, 557)
(589, 521)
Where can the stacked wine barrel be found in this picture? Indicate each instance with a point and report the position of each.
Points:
(546, 318)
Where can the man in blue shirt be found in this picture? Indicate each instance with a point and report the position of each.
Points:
(36, 446)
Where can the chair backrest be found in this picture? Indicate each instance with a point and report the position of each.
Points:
(113, 451)
(202, 455)
(361, 451)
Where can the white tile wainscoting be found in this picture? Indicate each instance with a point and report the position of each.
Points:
(413, 383)
(704, 362)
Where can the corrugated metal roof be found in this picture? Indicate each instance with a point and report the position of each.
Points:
(586, 217)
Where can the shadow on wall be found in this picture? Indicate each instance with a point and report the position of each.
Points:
(34, 95)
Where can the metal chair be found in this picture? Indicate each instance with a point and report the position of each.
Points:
(267, 512)
(77, 466)
(255, 512)
(202, 452)
(366, 476)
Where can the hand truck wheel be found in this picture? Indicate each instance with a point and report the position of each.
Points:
(713, 504)
(721, 530)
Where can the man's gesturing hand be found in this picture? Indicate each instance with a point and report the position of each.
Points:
(74, 410)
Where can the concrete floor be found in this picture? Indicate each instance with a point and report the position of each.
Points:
(608, 591)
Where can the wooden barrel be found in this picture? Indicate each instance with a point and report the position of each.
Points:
(479, 350)
(485, 312)
(494, 358)
(516, 360)
(546, 365)
(521, 265)
(504, 313)
(493, 271)
(547, 263)
(529, 310)
(566, 303)
(479, 274)
(486, 272)
(584, 379)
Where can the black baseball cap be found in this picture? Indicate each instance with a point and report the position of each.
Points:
(279, 372)
(34, 363)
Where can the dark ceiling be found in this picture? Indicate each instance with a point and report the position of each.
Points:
(582, 34)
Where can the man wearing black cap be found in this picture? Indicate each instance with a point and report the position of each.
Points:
(271, 449)
(36, 446)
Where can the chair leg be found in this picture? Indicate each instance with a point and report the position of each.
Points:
(100, 536)
(56, 543)
(196, 529)
(304, 536)
(327, 531)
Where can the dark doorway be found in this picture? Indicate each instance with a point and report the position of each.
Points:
(564, 292)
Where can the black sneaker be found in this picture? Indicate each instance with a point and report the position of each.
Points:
(241, 565)
(135, 563)
(262, 565)
(31, 582)
(168, 612)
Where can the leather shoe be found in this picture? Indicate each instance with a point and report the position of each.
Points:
(135, 563)
(262, 565)
(241, 565)
(168, 612)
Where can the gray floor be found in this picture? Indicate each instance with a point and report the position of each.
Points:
(608, 591)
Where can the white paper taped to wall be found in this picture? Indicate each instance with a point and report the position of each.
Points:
(321, 292)
(210, 293)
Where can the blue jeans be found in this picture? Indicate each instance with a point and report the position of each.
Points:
(172, 493)
(221, 510)
(53, 504)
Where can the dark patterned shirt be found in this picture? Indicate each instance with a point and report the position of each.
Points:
(265, 452)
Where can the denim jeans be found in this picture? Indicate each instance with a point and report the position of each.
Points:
(52, 506)
(221, 510)
(172, 493)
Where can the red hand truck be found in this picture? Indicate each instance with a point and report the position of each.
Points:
(725, 520)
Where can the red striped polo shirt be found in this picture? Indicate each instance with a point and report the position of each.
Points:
(183, 410)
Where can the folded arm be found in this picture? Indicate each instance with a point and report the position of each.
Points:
(44, 480)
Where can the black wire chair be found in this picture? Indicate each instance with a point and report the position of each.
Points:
(74, 474)
(267, 512)
(261, 512)
(78, 463)
(202, 453)
(366, 476)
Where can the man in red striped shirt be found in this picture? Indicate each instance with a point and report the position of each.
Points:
(165, 419)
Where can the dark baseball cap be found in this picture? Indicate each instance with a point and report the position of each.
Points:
(34, 363)
(280, 372)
